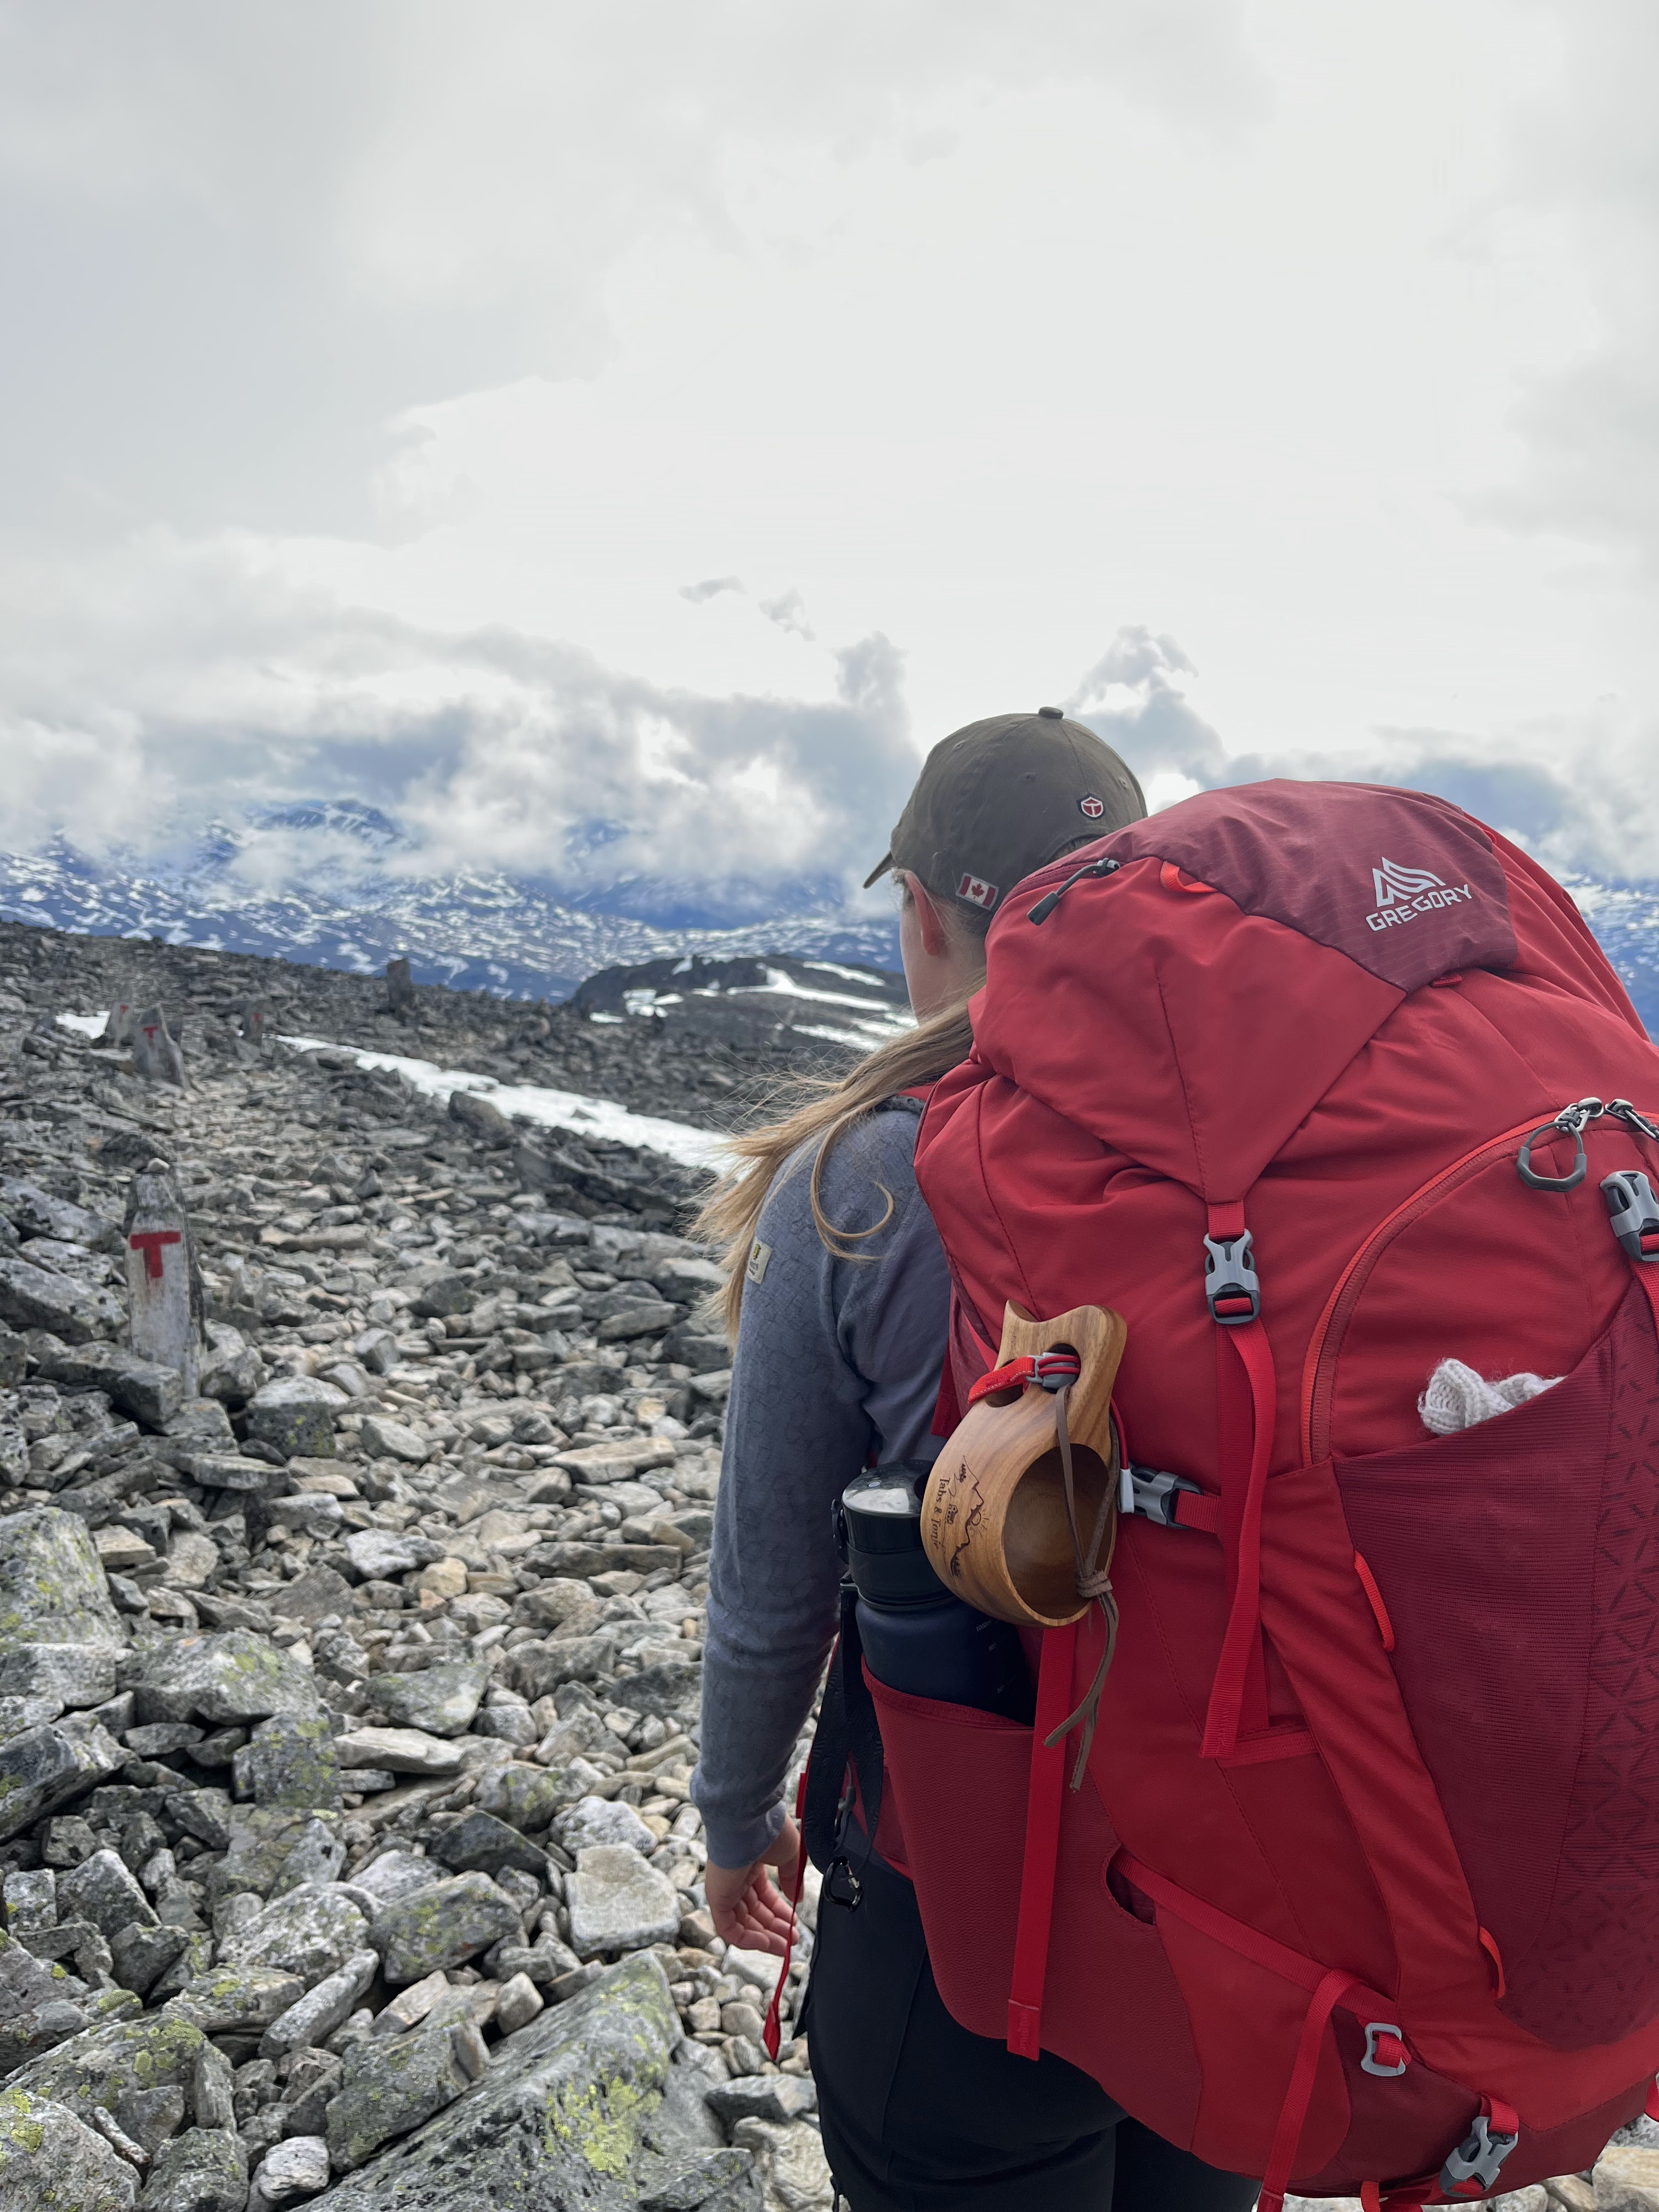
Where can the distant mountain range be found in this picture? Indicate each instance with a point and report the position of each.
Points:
(336, 886)
(333, 885)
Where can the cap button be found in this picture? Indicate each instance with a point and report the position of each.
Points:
(1054, 714)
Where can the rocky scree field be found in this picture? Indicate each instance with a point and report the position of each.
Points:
(347, 1706)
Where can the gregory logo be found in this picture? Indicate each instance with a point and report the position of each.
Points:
(1402, 894)
(978, 892)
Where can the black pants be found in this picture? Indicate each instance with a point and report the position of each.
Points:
(919, 2116)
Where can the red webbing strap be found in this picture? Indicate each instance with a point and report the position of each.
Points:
(1193, 1510)
(1298, 2094)
(1042, 1811)
(772, 2031)
(1239, 1695)
(1646, 1272)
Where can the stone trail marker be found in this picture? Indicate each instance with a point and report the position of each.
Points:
(120, 1021)
(256, 1022)
(399, 988)
(155, 1055)
(164, 1295)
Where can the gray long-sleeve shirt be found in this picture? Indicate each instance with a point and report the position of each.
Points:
(837, 1361)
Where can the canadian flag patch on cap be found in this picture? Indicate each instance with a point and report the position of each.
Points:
(978, 892)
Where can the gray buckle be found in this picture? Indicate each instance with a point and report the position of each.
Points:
(1230, 1283)
(1153, 1495)
(1633, 1213)
(1479, 2157)
(1371, 2064)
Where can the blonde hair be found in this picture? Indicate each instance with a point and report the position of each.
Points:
(825, 1109)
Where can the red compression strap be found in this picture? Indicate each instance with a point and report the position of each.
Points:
(772, 2031)
(1298, 2094)
(1042, 1811)
(1193, 1510)
(1647, 1274)
(1241, 1647)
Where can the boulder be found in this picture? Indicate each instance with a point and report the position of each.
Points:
(441, 1699)
(50, 1765)
(36, 1298)
(234, 1675)
(573, 2110)
(399, 1750)
(479, 1842)
(618, 1902)
(236, 1999)
(203, 2170)
(310, 1932)
(52, 1589)
(381, 1554)
(103, 2065)
(526, 1798)
(443, 1926)
(480, 1118)
(593, 1820)
(298, 2167)
(396, 1874)
(294, 1415)
(105, 1891)
(1626, 2179)
(313, 2017)
(290, 1760)
(390, 2085)
(74, 1675)
(385, 1439)
(52, 2162)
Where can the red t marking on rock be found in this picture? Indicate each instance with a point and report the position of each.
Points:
(149, 1242)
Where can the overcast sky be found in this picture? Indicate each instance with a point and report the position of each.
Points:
(623, 437)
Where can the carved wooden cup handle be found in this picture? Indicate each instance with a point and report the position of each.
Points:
(993, 1515)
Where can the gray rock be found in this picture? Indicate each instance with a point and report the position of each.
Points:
(314, 2081)
(381, 1555)
(618, 1902)
(780, 2097)
(388, 2087)
(396, 1874)
(644, 1317)
(212, 2089)
(315, 2017)
(518, 2004)
(669, 1688)
(51, 1586)
(693, 1346)
(43, 1768)
(141, 1954)
(105, 1891)
(75, 1674)
(236, 1998)
(442, 1700)
(296, 2167)
(444, 1926)
(526, 1798)
(564, 2115)
(37, 1213)
(592, 1821)
(289, 1760)
(294, 1415)
(387, 1439)
(316, 1594)
(704, 2181)
(102, 2065)
(310, 1932)
(479, 1118)
(400, 1751)
(234, 1675)
(52, 2162)
(479, 1841)
(444, 1295)
(203, 2170)
(33, 1297)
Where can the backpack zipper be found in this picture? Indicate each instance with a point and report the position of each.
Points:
(1319, 1373)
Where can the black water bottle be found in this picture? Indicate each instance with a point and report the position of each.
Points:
(918, 1637)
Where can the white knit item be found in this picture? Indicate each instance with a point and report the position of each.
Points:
(1457, 1398)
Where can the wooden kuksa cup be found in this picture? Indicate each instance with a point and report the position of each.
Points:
(993, 1515)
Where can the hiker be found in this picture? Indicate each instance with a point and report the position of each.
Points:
(838, 1301)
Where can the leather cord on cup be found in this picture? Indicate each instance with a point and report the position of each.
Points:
(1094, 1581)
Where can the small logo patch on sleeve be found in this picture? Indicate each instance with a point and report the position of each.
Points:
(759, 1254)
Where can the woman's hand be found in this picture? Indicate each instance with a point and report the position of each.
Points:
(744, 1907)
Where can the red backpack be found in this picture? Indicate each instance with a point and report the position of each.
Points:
(1360, 1891)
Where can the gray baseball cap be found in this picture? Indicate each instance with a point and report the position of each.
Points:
(1002, 797)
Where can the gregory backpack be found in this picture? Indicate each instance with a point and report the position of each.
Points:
(1319, 1085)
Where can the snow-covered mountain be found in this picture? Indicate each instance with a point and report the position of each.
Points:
(337, 885)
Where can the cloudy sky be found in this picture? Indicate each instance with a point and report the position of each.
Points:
(620, 438)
